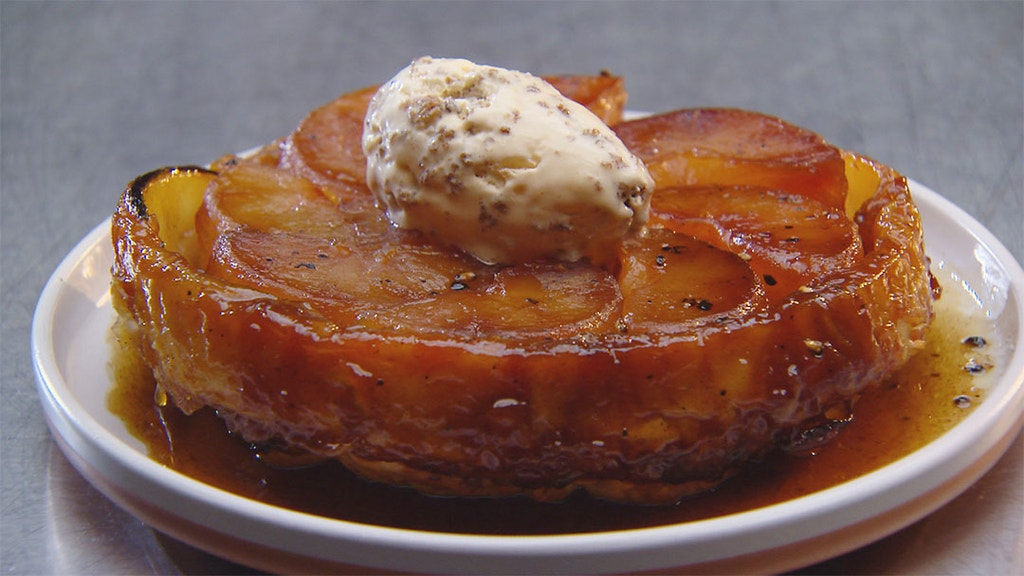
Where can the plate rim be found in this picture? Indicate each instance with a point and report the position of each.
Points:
(67, 417)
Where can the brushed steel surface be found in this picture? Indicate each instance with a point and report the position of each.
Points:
(95, 93)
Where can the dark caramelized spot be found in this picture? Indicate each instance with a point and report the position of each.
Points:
(134, 192)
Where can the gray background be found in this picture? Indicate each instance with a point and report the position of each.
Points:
(95, 93)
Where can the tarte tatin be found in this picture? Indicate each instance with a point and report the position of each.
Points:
(777, 278)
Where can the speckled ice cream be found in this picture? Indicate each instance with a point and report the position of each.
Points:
(500, 164)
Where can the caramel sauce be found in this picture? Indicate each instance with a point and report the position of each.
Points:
(939, 387)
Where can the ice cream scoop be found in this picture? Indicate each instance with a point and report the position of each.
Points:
(500, 164)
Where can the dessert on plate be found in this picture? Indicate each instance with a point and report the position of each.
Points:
(477, 282)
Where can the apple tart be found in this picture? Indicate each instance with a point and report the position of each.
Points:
(778, 278)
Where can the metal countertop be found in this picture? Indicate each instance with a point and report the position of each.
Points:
(95, 93)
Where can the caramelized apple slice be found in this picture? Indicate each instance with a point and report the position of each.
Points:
(673, 283)
(522, 305)
(728, 147)
(604, 94)
(330, 140)
(788, 239)
(253, 194)
(417, 291)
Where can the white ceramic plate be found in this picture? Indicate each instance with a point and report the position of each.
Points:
(70, 354)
